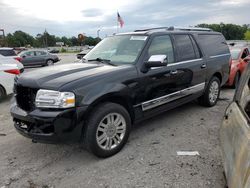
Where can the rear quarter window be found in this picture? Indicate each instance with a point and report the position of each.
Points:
(213, 44)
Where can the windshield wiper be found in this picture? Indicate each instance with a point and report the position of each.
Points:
(106, 61)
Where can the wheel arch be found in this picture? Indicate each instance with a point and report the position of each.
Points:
(124, 101)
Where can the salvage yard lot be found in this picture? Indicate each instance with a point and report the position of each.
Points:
(148, 160)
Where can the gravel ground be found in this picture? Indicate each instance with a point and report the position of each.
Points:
(148, 160)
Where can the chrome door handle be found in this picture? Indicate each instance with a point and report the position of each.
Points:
(203, 66)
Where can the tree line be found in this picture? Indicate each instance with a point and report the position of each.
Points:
(20, 38)
(230, 31)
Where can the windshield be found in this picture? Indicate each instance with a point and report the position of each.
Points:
(118, 49)
(235, 53)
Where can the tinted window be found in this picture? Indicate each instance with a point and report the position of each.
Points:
(39, 53)
(30, 53)
(196, 49)
(244, 54)
(7, 52)
(162, 45)
(213, 44)
(184, 47)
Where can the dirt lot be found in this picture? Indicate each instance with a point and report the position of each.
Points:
(148, 160)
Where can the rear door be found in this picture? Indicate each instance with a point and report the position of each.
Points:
(235, 136)
(190, 58)
(41, 57)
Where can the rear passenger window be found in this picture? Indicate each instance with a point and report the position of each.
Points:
(7, 52)
(213, 44)
(184, 47)
(162, 45)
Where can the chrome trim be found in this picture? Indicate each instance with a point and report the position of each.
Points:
(221, 55)
(184, 62)
(171, 97)
(178, 63)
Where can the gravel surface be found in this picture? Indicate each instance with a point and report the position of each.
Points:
(149, 159)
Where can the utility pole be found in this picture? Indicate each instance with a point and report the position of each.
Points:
(2, 38)
(98, 33)
(46, 40)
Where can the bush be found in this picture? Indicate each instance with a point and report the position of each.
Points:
(63, 50)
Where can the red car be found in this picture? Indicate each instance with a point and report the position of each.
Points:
(240, 58)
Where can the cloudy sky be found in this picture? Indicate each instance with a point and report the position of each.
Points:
(70, 17)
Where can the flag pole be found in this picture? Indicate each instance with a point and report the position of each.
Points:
(117, 24)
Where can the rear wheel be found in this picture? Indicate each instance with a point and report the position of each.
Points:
(2, 93)
(236, 80)
(211, 94)
(107, 129)
(49, 62)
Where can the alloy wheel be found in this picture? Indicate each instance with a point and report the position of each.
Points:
(111, 131)
(213, 92)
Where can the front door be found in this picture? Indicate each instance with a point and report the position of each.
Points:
(183, 76)
(29, 58)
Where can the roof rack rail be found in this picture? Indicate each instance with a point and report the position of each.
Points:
(189, 28)
(172, 28)
(150, 29)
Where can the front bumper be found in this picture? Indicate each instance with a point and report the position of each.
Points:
(49, 126)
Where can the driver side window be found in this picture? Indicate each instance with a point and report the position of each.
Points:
(162, 45)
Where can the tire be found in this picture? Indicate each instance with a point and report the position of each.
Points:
(49, 62)
(112, 137)
(236, 80)
(211, 94)
(2, 93)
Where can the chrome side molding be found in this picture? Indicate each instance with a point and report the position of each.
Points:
(171, 97)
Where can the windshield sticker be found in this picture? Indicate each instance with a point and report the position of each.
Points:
(138, 37)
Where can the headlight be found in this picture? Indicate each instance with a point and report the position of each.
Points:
(54, 99)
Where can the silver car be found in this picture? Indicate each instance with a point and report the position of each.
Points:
(37, 57)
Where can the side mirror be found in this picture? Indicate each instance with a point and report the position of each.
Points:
(157, 61)
(23, 56)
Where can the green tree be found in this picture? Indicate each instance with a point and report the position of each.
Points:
(247, 35)
(230, 31)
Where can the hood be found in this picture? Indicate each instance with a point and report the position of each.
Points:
(54, 77)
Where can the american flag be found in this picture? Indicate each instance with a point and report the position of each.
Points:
(120, 20)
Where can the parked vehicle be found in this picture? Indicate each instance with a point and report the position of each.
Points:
(124, 79)
(240, 58)
(8, 69)
(234, 136)
(37, 57)
(83, 52)
(53, 51)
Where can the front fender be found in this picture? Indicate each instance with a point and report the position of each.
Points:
(107, 90)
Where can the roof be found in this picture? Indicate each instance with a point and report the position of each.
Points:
(149, 31)
(6, 48)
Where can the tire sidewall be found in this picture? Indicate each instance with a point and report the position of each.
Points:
(92, 125)
(2, 94)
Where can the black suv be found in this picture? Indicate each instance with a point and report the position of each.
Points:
(126, 78)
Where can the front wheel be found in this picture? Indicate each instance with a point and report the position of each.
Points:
(211, 94)
(107, 129)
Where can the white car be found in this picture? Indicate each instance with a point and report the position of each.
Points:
(9, 68)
